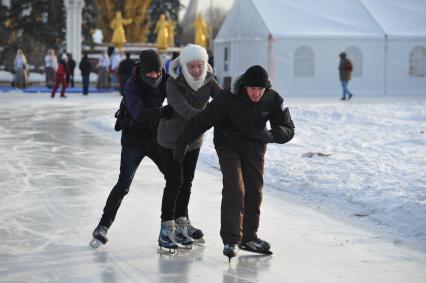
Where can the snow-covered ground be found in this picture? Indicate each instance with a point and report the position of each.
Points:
(353, 215)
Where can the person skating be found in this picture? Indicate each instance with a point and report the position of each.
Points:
(85, 69)
(60, 76)
(144, 95)
(189, 88)
(239, 118)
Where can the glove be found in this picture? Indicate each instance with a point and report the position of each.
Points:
(166, 112)
(179, 153)
(266, 136)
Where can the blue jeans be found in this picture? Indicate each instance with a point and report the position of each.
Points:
(345, 89)
(85, 84)
(131, 157)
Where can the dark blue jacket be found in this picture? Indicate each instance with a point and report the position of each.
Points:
(143, 104)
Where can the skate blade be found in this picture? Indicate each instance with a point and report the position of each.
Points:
(95, 243)
(167, 251)
(199, 241)
(185, 247)
(257, 252)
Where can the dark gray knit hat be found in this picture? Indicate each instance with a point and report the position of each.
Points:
(256, 76)
(150, 61)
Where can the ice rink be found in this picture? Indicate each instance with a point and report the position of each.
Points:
(55, 177)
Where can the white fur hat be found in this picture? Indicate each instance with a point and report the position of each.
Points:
(193, 52)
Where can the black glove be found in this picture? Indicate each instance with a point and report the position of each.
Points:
(179, 153)
(166, 112)
(266, 136)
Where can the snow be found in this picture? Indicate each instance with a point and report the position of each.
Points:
(61, 159)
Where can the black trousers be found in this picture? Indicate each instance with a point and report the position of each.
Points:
(131, 157)
(179, 177)
(241, 195)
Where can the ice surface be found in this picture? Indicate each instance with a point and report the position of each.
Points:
(60, 160)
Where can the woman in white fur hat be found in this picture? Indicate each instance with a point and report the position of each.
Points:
(190, 86)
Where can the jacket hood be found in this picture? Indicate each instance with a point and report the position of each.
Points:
(237, 84)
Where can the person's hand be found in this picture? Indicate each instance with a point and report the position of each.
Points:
(266, 136)
(166, 112)
(179, 153)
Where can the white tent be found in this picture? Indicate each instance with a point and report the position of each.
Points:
(404, 23)
(298, 42)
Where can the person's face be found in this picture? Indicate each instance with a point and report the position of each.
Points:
(195, 68)
(153, 75)
(255, 93)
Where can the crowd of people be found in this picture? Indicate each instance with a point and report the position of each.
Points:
(171, 136)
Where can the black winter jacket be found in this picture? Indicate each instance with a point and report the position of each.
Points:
(239, 123)
(143, 104)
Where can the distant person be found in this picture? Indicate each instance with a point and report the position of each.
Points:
(85, 69)
(115, 63)
(345, 73)
(172, 57)
(103, 71)
(50, 66)
(21, 69)
(71, 67)
(124, 71)
(239, 118)
(61, 76)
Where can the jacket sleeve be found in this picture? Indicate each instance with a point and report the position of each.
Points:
(176, 99)
(216, 89)
(212, 115)
(282, 126)
(135, 104)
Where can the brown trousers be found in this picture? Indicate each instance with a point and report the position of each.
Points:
(241, 195)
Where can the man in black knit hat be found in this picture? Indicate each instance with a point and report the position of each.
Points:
(144, 94)
(239, 118)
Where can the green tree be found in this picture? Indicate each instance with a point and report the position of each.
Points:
(90, 20)
(168, 7)
(34, 26)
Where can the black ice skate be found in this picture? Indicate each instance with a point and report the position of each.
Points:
(195, 234)
(257, 246)
(181, 233)
(230, 250)
(165, 239)
(99, 237)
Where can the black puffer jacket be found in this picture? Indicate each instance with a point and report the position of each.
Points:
(240, 123)
(143, 104)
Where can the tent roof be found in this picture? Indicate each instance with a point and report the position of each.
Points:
(399, 18)
(301, 18)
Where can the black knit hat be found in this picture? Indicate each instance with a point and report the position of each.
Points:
(150, 61)
(256, 76)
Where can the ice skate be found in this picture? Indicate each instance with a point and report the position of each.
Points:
(230, 250)
(166, 240)
(99, 237)
(181, 233)
(196, 234)
(257, 246)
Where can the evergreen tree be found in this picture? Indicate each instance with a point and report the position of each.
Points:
(35, 26)
(89, 21)
(168, 7)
